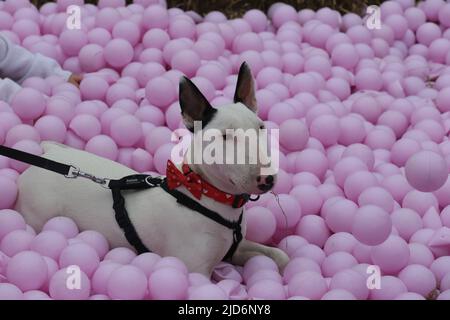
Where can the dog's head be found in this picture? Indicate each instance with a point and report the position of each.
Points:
(231, 151)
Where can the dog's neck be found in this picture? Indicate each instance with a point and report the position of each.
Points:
(225, 210)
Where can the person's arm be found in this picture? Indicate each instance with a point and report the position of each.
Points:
(8, 89)
(18, 64)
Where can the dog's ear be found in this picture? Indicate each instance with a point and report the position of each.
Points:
(194, 105)
(245, 88)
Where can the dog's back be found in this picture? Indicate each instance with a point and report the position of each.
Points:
(44, 194)
(164, 226)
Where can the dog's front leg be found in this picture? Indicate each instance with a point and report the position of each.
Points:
(248, 249)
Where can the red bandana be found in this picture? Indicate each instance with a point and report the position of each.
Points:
(197, 186)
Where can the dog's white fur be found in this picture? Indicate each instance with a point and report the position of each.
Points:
(163, 225)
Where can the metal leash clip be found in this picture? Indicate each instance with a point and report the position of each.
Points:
(75, 172)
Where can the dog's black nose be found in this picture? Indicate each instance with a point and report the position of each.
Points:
(265, 187)
(265, 183)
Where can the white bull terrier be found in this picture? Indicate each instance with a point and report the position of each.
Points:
(164, 226)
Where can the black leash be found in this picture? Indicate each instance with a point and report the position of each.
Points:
(133, 182)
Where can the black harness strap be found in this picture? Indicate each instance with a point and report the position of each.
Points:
(194, 205)
(133, 182)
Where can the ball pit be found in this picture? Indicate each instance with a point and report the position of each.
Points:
(364, 151)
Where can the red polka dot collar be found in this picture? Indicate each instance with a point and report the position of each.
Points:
(198, 187)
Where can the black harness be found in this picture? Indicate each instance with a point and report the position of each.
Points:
(133, 182)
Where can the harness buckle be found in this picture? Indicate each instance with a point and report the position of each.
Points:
(155, 183)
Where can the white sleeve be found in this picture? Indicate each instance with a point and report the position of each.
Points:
(8, 89)
(18, 64)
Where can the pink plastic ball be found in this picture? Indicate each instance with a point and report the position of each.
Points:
(171, 262)
(168, 283)
(345, 55)
(371, 225)
(283, 14)
(326, 129)
(309, 251)
(155, 16)
(51, 128)
(293, 135)
(15, 242)
(313, 228)
(296, 266)
(257, 20)
(390, 288)
(309, 284)
(261, 224)
(96, 240)
(291, 243)
(160, 92)
(146, 262)
(94, 88)
(160, 157)
(440, 267)
(82, 255)
(102, 146)
(10, 292)
(91, 58)
(28, 104)
(309, 198)
(59, 289)
(120, 255)
(72, 41)
(119, 91)
(49, 243)
(155, 38)
(9, 194)
(85, 126)
(289, 214)
(126, 130)
(442, 100)
(127, 283)
(267, 289)
(181, 28)
(27, 270)
(186, 61)
(419, 201)
(392, 255)
(63, 225)
(99, 36)
(10, 220)
(101, 276)
(418, 279)
(378, 197)
(247, 41)
(312, 161)
(427, 33)
(128, 31)
(35, 295)
(336, 262)
(426, 171)
(118, 53)
(350, 281)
